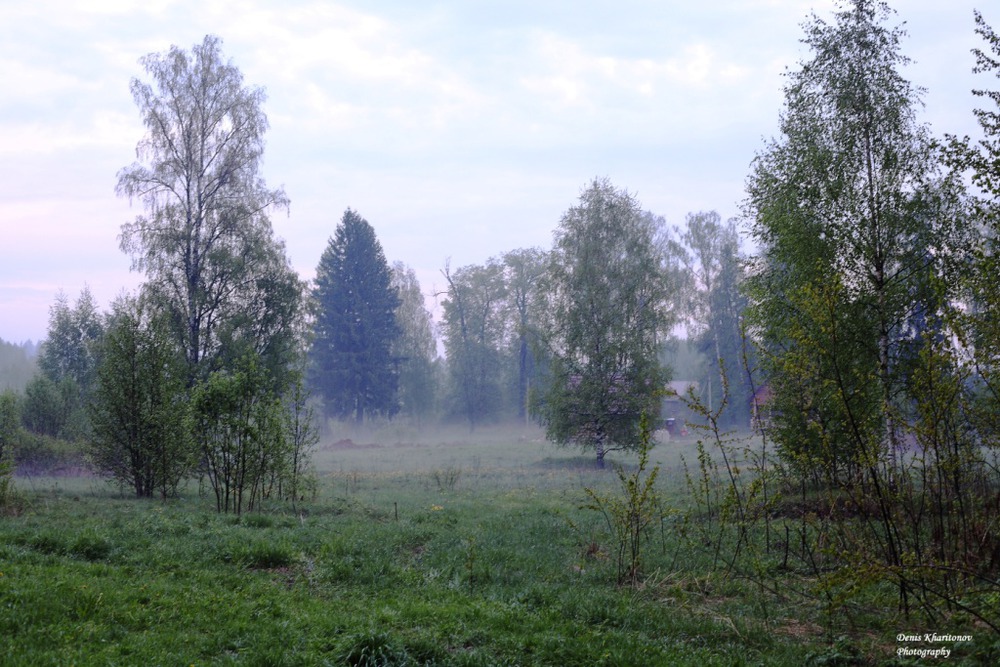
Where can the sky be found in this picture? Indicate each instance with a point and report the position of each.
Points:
(459, 129)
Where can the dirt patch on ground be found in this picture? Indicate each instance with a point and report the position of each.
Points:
(347, 443)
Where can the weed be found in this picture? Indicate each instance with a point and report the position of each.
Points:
(446, 478)
(630, 513)
(471, 555)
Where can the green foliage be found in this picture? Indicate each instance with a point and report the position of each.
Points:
(630, 514)
(56, 398)
(352, 365)
(474, 329)
(716, 309)
(295, 479)
(140, 414)
(608, 294)
(491, 325)
(206, 243)
(10, 422)
(216, 273)
(11, 501)
(978, 157)
(827, 397)
(240, 427)
(415, 349)
(54, 408)
(255, 445)
(880, 378)
(69, 350)
(855, 220)
(36, 454)
(11, 435)
(980, 329)
(524, 271)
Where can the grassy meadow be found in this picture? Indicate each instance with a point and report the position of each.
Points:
(417, 549)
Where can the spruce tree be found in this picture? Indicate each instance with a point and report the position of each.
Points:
(352, 366)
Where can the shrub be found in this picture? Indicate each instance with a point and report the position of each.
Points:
(629, 514)
(40, 454)
(447, 478)
(11, 502)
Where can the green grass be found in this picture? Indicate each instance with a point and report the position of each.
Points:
(461, 550)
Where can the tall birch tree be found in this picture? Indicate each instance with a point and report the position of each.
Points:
(205, 240)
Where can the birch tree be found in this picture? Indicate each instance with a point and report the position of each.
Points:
(607, 312)
(205, 239)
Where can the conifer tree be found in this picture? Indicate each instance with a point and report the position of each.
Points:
(352, 366)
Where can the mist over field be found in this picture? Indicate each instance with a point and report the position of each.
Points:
(591, 429)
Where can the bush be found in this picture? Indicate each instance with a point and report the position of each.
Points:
(40, 454)
(11, 502)
(630, 514)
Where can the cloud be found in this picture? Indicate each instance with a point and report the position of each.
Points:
(343, 75)
(33, 81)
(319, 40)
(102, 131)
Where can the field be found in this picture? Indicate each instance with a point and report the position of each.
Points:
(444, 549)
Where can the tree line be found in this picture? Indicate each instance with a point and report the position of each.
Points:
(576, 337)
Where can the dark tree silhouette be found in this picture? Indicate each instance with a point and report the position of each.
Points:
(352, 366)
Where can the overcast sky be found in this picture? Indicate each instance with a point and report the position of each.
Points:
(459, 129)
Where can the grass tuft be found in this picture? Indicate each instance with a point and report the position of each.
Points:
(374, 649)
(91, 547)
(265, 555)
